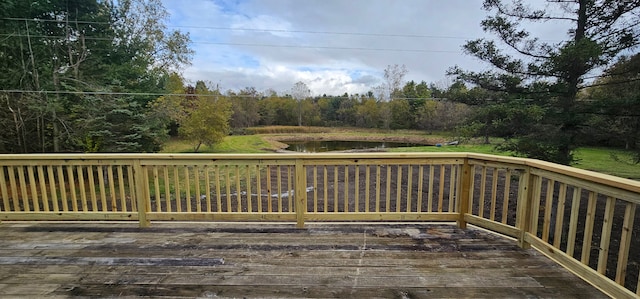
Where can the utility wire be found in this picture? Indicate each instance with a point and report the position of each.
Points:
(261, 30)
(254, 45)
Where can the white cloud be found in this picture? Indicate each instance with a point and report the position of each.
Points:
(334, 46)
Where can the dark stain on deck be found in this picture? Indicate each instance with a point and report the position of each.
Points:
(245, 260)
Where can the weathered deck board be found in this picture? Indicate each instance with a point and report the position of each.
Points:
(185, 260)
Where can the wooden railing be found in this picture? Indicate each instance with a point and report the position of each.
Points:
(582, 220)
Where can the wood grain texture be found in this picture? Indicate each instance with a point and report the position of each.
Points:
(180, 260)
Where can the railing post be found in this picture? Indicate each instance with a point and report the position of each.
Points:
(142, 198)
(300, 193)
(524, 213)
(463, 201)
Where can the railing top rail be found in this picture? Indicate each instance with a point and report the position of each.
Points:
(267, 156)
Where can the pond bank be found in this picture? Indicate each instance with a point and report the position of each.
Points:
(280, 141)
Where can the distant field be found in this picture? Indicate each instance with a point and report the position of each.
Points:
(265, 140)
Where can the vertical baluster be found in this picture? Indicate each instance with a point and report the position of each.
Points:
(548, 206)
(605, 238)
(290, 189)
(167, 189)
(34, 190)
(346, 189)
(315, 188)
(196, 179)
(483, 186)
(409, 187)
(573, 220)
(507, 191)
(92, 188)
(472, 183)
(625, 242)
(218, 193)
(207, 181)
(228, 188)
(156, 186)
(132, 189)
(102, 187)
(452, 186)
(326, 188)
(458, 193)
(176, 179)
(23, 190)
(494, 193)
(378, 179)
(399, 187)
(146, 190)
(259, 188)
(357, 188)
(123, 202)
(5, 190)
(62, 189)
(367, 193)
(535, 208)
(72, 186)
(249, 203)
(14, 189)
(43, 188)
(420, 183)
(269, 188)
(238, 190)
(562, 197)
(83, 191)
(430, 196)
(112, 188)
(187, 188)
(279, 182)
(335, 188)
(588, 228)
(441, 188)
(388, 203)
(52, 188)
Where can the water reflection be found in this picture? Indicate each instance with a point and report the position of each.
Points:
(328, 146)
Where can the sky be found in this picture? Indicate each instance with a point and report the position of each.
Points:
(333, 46)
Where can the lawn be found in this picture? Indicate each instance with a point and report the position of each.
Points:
(605, 160)
(230, 144)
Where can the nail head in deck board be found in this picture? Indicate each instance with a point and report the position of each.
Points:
(271, 260)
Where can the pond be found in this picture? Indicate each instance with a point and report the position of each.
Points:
(328, 146)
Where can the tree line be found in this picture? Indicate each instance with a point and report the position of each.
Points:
(79, 75)
(104, 76)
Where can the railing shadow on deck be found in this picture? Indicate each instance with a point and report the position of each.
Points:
(580, 219)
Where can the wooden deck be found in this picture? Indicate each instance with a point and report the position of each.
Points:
(244, 260)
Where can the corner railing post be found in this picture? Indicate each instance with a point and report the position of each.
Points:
(463, 202)
(300, 193)
(524, 213)
(142, 198)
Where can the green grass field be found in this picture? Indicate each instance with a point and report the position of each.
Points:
(230, 144)
(605, 160)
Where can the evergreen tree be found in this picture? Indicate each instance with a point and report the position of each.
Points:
(550, 75)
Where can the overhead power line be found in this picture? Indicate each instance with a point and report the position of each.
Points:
(262, 29)
(254, 45)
